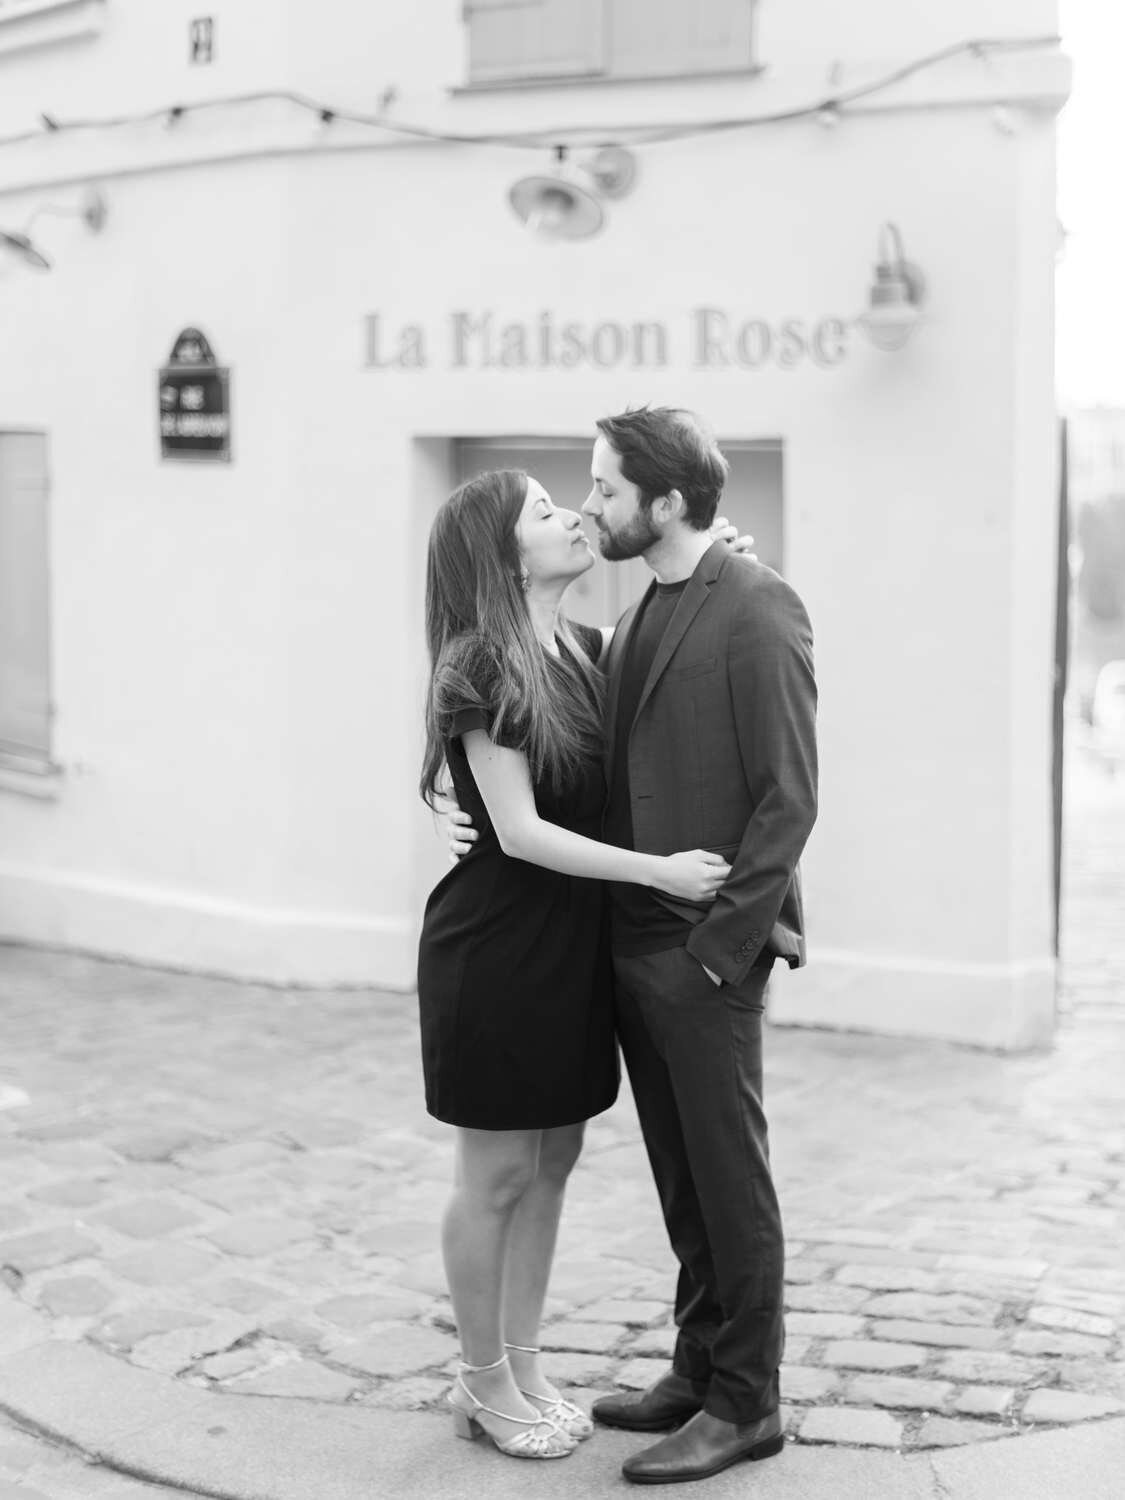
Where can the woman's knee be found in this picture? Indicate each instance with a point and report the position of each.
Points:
(498, 1178)
(559, 1152)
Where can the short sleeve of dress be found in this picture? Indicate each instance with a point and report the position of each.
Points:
(473, 706)
(469, 717)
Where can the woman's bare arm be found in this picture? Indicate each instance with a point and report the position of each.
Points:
(504, 782)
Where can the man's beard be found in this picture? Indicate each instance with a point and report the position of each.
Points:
(631, 541)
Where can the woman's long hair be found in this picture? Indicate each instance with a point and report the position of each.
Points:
(483, 648)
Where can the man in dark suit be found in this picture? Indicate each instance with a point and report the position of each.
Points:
(711, 743)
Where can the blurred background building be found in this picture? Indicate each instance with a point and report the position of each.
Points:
(310, 266)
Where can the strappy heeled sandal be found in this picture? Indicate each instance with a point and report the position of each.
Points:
(544, 1438)
(557, 1409)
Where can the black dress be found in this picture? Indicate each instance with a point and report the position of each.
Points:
(514, 973)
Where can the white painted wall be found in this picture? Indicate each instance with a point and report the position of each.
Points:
(238, 649)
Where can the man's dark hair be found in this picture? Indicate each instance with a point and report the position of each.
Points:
(664, 448)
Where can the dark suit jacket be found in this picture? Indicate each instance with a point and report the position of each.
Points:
(722, 753)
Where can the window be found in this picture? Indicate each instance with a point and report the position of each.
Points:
(25, 702)
(31, 23)
(520, 41)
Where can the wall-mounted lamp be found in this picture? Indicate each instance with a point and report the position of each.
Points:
(92, 210)
(896, 295)
(565, 203)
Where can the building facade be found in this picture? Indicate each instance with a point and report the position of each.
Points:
(290, 304)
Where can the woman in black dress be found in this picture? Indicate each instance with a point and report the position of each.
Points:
(514, 974)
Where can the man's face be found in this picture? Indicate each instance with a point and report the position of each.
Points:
(614, 506)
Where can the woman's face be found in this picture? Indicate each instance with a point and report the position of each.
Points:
(552, 543)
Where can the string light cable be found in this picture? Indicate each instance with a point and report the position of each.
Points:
(832, 104)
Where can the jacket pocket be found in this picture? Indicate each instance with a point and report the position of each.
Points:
(694, 668)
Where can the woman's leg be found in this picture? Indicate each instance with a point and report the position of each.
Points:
(531, 1250)
(494, 1169)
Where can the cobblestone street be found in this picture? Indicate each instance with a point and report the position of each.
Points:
(239, 1186)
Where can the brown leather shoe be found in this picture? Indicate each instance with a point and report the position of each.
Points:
(666, 1403)
(704, 1446)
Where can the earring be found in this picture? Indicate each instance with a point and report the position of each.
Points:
(525, 580)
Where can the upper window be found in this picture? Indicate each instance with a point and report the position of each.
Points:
(516, 41)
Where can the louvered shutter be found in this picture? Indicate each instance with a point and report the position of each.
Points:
(24, 649)
(515, 39)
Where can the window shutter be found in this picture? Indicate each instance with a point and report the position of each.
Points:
(653, 37)
(24, 645)
(514, 39)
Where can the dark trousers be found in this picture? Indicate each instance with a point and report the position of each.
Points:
(694, 1054)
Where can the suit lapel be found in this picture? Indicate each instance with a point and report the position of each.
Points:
(691, 602)
(617, 650)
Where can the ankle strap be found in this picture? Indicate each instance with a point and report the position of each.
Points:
(522, 1349)
(479, 1369)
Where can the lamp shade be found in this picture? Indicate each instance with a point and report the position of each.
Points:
(556, 207)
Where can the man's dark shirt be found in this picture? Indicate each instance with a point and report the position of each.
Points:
(641, 921)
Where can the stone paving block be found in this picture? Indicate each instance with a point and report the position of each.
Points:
(797, 1348)
(235, 1362)
(256, 1237)
(234, 1194)
(155, 1144)
(147, 1218)
(1092, 1291)
(73, 1129)
(238, 1294)
(74, 1297)
(656, 1342)
(416, 1394)
(805, 1383)
(45, 1248)
(1068, 1345)
(839, 1424)
(890, 1278)
(300, 1378)
(872, 1355)
(236, 1156)
(799, 1272)
(178, 1350)
(587, 1338)
(898, 1391)
(824, 1325)
(981, 1368)
(936, 1333)
(20, 1327)
(825, 1296)
(858, 1255)
(576, 1369)
(1068, 1406)
(1070, 1320)
(924, 1307)
(360, 1310)
(630, 1314)
(639, 1374)
(951, 1432)
(1011, 1269)
(72, 1192)
(985, 1400)
(396, 1350)
(290, 1330)
(834, 1234)
(13, 1216)
(163, 1265)
(127, 1329)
